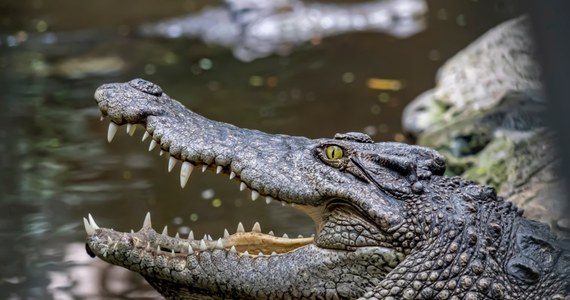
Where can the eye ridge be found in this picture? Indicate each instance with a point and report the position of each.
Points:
(334, 152)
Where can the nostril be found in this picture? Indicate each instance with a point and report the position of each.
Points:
(146, 87)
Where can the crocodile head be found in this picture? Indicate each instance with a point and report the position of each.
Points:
(380, 210)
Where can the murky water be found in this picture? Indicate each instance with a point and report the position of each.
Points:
(57, 167)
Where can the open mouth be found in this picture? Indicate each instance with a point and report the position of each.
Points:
(244, 243)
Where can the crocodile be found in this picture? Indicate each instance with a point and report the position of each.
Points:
(260, 28)
(389, 223)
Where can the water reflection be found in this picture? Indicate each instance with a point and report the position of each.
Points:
(56, 165)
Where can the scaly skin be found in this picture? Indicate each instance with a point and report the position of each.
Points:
(388, 224)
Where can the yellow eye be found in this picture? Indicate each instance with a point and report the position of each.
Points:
(334, 152)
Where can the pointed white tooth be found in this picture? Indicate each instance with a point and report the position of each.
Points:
(152, 145)
(161, 152)
(256, 227)
(300, 236)
(171, 163)
(242, 186)
(232, 175)
(147, 246)
(101, 118)
(88, 229)
(165, 230)
(273, 253)
(260, 253)
(254, 195)
(246, 253)
(205, 237)
(109, 240)
(147, 223)
(219, 244)
(285, 236)
(131, 129)
(177, 235)
(145, 136)
(111, 131)
(157, 249)
(271, 232)
(218, 169)
(172, 253)
(204, 168)
(203, 246)
(92, 222)
(240, 228)
(185, 172)
(210, 238)
(132, 231)
(226, 233)
(233, 249)
(268, 199)
(190, 250)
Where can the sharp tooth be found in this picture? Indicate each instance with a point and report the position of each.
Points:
(285, 236)
(226, 233)
(256, 227)
(111, 131)
(210, 238)
(145, 136)
(271, 232)
(218, 169)
(245, 253)
(203, 246)
(101, 118)
(268, 199)
(204, 168)
(191, 235)
(161, 152)
(172, 253)
(152, 145)
(242, 186)
(157, 249)
(273, 253)
(205, 237)
(131, 129)
(177, 235)
(240, 228)
(171, 163)
(92, 222)
(232, 175)
(165, 230)
(219, 244)
(109, 240)
(132, 231)
(185, 172)
(147, 246)
(260, 253)
(190, 250)
(254, 195)
(88, 229)
(233, 249)
(300, 236)
(146, 223)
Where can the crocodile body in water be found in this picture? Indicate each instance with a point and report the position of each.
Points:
(389, 225)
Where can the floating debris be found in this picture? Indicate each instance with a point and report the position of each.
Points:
(384, 84)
